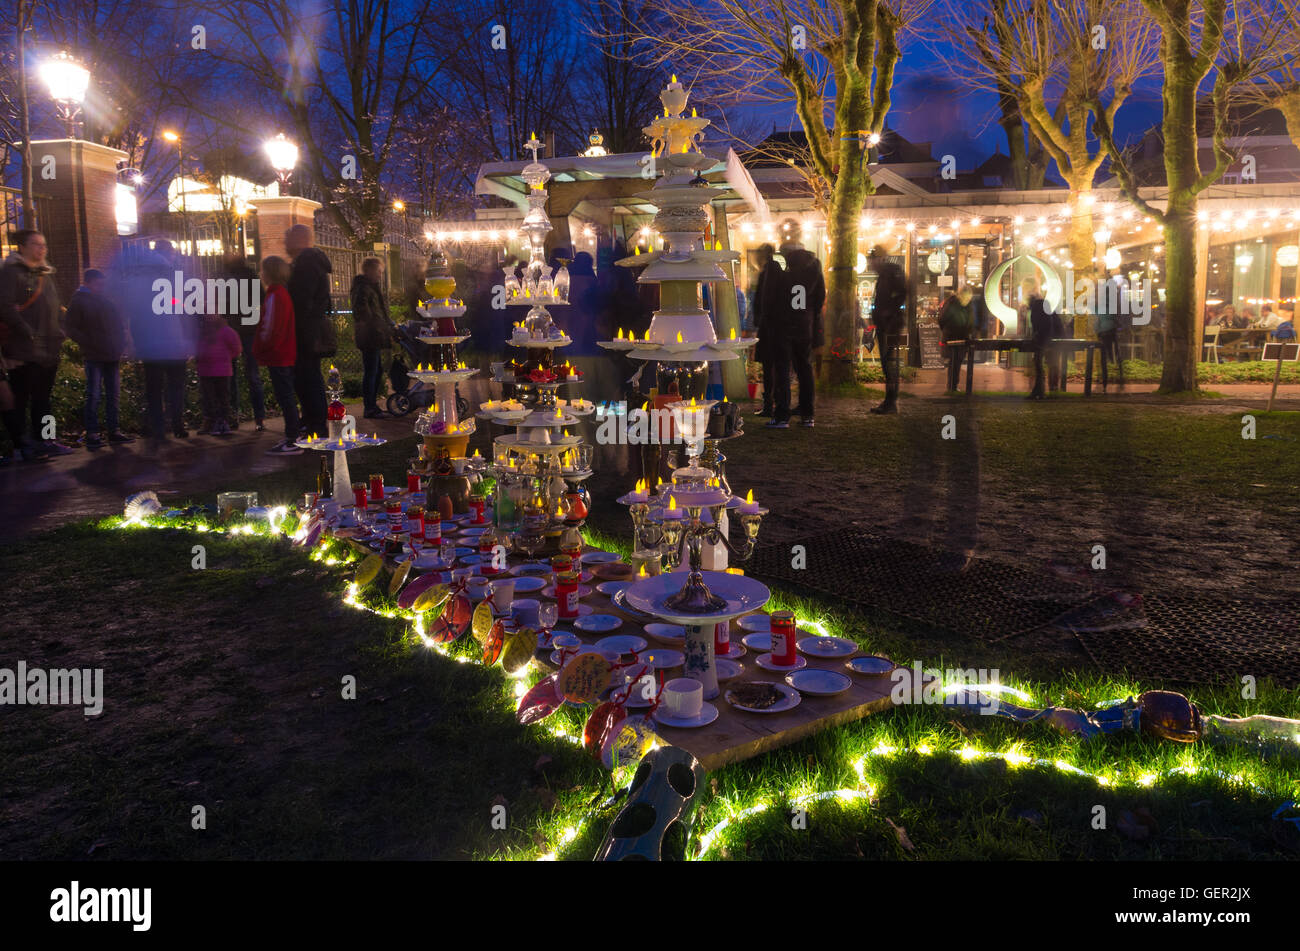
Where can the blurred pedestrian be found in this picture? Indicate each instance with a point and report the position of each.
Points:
(1108, 327)
(791, 304)
(1042, 331)
(313, 315)
(372, 331)
(98, 328)
(768, 271)
(957, 325)
(30, 309)
(889, 315)
(218, 348)
(275, 347)
(239, 269)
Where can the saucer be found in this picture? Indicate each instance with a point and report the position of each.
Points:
(765, 661)
(816, 682)
(758, 641)
(708, 713)
(611, 588)
(755, 622)
(536, 568)
(623, 643)
(826, 646)
(528, 584)
(598, 623)
(667, 633)
(728, 669)
(599, 557)
(735, 650)
(583, 591)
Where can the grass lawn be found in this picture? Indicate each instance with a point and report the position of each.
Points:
(224, 686)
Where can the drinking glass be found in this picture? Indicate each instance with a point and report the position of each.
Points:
(548, 613)
(447, 551)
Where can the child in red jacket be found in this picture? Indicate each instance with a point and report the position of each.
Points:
(275, 349)
(218, 347)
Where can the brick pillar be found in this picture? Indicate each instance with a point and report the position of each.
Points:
(275, 216)
(81, 230)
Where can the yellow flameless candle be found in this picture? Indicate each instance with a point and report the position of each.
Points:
(679, 337)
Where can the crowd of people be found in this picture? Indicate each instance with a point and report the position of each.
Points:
(1279, 323)
(119, 314)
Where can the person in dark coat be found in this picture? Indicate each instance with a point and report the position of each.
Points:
(97, 327)
(1108, 326)
(768, 270)
(31, 314)
(957, 322)
(791, 303)
(888, 313)
(313, 313)
(372, 330)
(1045, 327)
(246, 327)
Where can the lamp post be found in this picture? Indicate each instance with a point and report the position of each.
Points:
(283, 154)
(67, 81)
(175, 139)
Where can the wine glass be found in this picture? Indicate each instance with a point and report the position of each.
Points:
(447, 551)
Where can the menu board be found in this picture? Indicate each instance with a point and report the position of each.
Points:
(931, 350)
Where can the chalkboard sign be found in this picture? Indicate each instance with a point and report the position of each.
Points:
(931, 350)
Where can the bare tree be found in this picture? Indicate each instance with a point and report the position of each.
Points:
(835, 61)
(1191, 50)
(1064, 63)
(619, 95)
(348, 71)
(1267, 46)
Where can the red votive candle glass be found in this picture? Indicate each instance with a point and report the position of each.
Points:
(359, 496)
(377, 486)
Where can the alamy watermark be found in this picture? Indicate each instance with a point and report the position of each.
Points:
(616, 425)
(37, 686)
(969, 686)
(227, 297)
(1113, 297)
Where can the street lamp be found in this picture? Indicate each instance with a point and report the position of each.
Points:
(67, 81)
(175, 139)
(284, 156)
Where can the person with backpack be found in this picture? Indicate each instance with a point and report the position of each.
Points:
(96, 326)
(889, 316)
(275, 347)
(372, 330)
(313, 314)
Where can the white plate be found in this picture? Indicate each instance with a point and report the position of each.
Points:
(623, 643)
(422, 563)
(708, 713)
(599, 557)
(735, 650)
(667, 633)
(790, 701)
(765, 661)
(755, 622)
(598, 623)
(466, 532)
(449, 526)
(611, 588)
(531, 568)
(816, 682)
(870, 665)
(529, 584)
(728, 669)
(760, 641)
(662, 658)
(468, 560)
(817, 646)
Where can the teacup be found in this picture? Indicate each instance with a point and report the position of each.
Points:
(459, 575)
(683, 698)
(503, 592)
(525, 611)
(566, 641)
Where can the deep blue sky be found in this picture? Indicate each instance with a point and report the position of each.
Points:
(929, 106)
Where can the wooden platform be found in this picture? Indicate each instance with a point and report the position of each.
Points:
(735, 735)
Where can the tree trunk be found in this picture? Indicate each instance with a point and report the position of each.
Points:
(1181, 330)
(1289, 106)
(1083, 248)
(1182, 171)
(842, 223)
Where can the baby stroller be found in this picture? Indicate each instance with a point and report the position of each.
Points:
(411, 393)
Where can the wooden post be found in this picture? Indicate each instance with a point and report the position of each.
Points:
(1277, 375)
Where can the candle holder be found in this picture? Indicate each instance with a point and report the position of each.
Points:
(695, 596)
